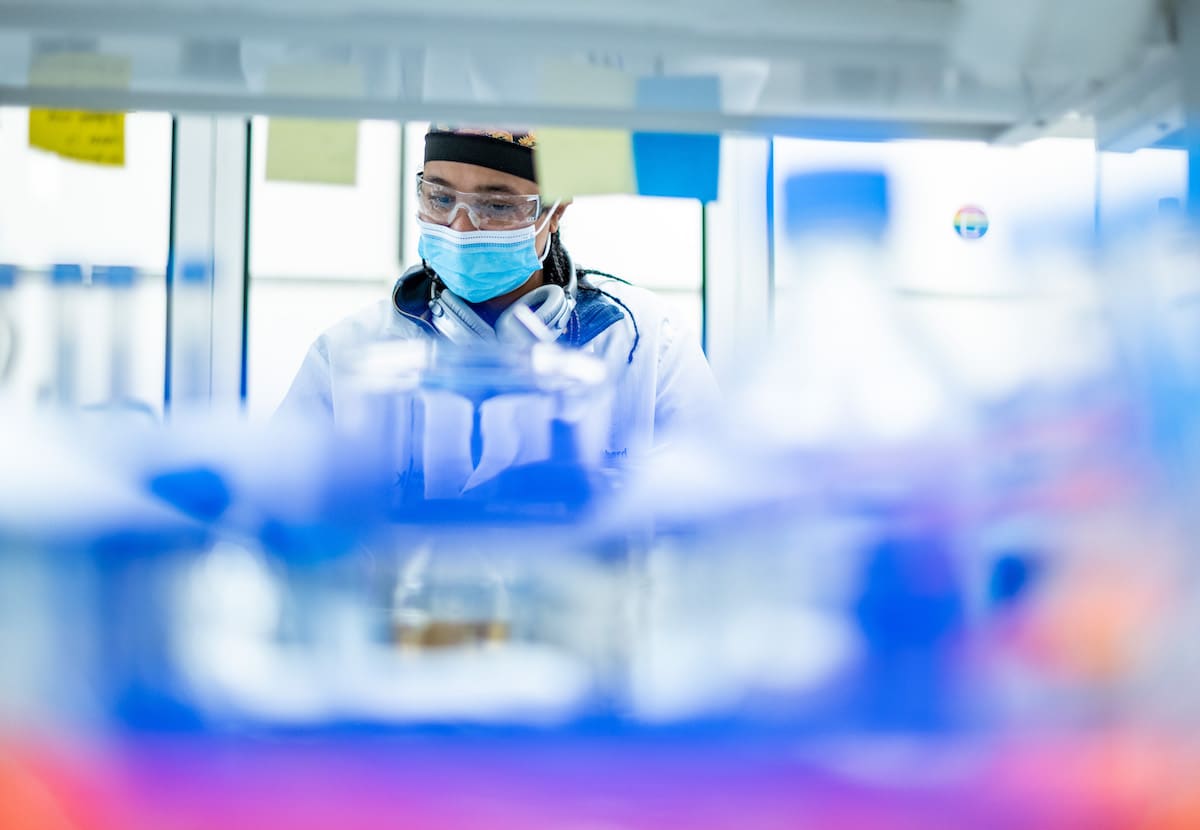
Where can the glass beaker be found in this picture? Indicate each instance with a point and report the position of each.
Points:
(482, 423)
(459, 599)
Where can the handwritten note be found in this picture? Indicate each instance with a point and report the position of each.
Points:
(92, 137)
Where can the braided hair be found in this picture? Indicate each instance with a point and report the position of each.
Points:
(556, 270)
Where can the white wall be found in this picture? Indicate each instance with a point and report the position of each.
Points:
(319, 252)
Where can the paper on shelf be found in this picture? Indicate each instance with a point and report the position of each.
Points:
(574, 161)
(313, 150)
(92, 137)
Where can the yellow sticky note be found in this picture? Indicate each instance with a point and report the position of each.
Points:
(576, 161)
(93, 137)
(313, 150)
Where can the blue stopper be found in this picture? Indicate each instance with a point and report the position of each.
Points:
(8, 275)
(1013, 573)
(199, 492)
(66, 274)
(910, 594)
(118, 276)
(195, 271)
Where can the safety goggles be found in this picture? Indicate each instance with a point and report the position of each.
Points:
(488, 211)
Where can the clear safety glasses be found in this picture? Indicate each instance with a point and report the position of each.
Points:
(488, 211)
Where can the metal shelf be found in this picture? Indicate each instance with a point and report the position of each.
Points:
(868, 69)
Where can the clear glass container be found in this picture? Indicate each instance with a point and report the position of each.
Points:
(449, 601)
(481, 423)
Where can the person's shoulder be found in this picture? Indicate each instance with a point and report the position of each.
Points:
(375, 321)
(639, 301)
(367, 319)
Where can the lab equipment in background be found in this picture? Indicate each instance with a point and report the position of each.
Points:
(109, 329)
(192, 318)
(850, 366)
(67, 297)
(117, 283)
(8, 324)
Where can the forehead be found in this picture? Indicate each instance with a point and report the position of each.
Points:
(471, 178)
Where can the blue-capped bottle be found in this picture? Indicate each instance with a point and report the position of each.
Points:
(67, 299)
(8, 325)
(847, 364)
(190, 389)
(115, 286)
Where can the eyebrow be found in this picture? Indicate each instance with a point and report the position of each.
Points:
(491, 188)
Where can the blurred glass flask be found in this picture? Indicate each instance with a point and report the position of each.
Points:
(193, 326)
(67, 299)
(457, 598)
(846, 363)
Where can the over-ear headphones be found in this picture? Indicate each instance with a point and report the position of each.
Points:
(459, 323)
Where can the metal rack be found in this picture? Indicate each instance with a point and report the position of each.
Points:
(972, 69)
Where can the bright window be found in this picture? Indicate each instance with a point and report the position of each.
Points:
(318, 253)
(54, 210)
(989, 313)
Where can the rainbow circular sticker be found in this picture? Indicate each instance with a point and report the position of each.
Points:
(970, 222)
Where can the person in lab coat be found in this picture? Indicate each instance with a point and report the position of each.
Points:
(489, 244)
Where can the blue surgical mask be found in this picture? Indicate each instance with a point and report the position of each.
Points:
(480, 265)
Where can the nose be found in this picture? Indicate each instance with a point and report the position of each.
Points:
(461, 221)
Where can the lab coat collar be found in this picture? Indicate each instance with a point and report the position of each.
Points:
(594, 312)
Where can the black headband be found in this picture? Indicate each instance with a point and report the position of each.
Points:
(493, 153)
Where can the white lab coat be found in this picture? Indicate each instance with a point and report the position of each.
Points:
(666, 387)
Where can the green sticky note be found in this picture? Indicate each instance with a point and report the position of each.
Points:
(577, 161)
(313, 150)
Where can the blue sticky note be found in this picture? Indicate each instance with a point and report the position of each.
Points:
(679, 93)
(819, 201)
(678, 164)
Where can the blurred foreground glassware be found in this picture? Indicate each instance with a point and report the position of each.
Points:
(474, 438)
(480, 422)
(454, 600)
